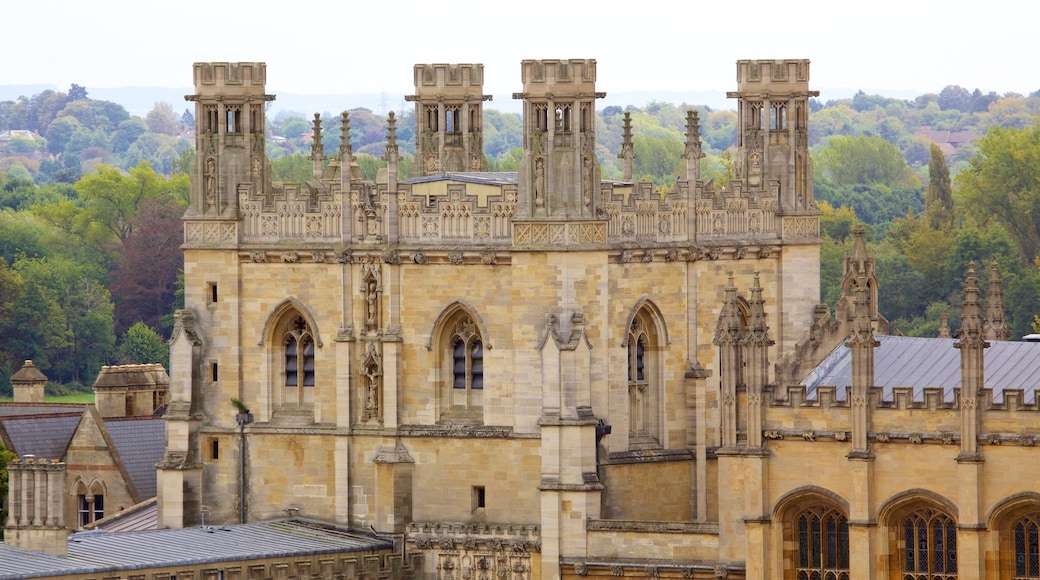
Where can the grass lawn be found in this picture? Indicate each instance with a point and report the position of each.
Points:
(77, 398)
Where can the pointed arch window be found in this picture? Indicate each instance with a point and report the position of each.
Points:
(467, 356)
(90, 506)
(460, 343)
(823, 544)
(929, 550)
(644, 389)
(1026, 535)
(299, 360)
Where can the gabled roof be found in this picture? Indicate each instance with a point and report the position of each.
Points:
(139, 443)
(44, 436)
(903, 361)
(97, 551)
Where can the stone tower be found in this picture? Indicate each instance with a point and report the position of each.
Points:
(449, 117)
(773, 130)
(229, 140)
(559, 174)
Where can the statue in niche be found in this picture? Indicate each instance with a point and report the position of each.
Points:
(372, 365)
(539, 182)
(431, 163)
(372, 308)
(211, 181)
(474, 162)
(754, 168)
(372, 221)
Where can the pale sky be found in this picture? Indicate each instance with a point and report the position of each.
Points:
(367, 46)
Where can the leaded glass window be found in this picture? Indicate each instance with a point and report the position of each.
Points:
(930, 546)
(823, 544)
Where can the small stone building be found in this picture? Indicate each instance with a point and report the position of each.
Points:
(74, 464)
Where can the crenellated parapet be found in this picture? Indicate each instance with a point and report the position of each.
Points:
(636, 212)
(472, 208)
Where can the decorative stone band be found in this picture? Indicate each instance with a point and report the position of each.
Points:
(553, 234)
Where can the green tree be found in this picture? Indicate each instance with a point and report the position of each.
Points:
(369, 165)
(60, 132)
(1002, 182)
(5, 457)
(127, 134)
(112, 199)
(938, 197)
(140, 344)
(863, 160)
(65, 317)
(657, 159)
(295, 168)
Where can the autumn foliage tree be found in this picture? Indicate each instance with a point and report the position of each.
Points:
(144, 282)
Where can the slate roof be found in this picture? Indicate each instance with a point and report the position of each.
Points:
(18, 409)
(903, 361)
(140, 442)
(45, 436)
(481, 177)
(99, 551)
(136, 518)
(486, 178)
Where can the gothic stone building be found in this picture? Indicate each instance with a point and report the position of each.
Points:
(546, 374)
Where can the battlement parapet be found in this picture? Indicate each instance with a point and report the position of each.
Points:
(774, 76)
(438, 76)
(901, 398)
(212, 77)
(544, 78)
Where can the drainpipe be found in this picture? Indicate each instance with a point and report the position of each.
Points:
(243, 419)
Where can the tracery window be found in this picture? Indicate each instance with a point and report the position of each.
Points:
(644, 388)
(299, 361)
(638, 386)
(929, 550)
(1026, 534)
(823, 544)
(467, 357)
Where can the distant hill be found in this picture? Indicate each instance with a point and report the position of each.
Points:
(139, 100)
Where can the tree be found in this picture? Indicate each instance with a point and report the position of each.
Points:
(161, 119)
(1002, 182)
(863, 160)
(5, 457)
(112, 198)
(64, 318)
(141, 344)
(60, 132)
(12, 288)
(77, 93)
(143, 285)
(127, 133)
(295, 168)
(657, 159)
(955, 97)
(187, 119)
(938, 197)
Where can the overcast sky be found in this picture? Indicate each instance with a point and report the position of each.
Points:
(368, 46)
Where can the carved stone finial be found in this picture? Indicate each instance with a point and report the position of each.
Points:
(995, 324)
(971, 333)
